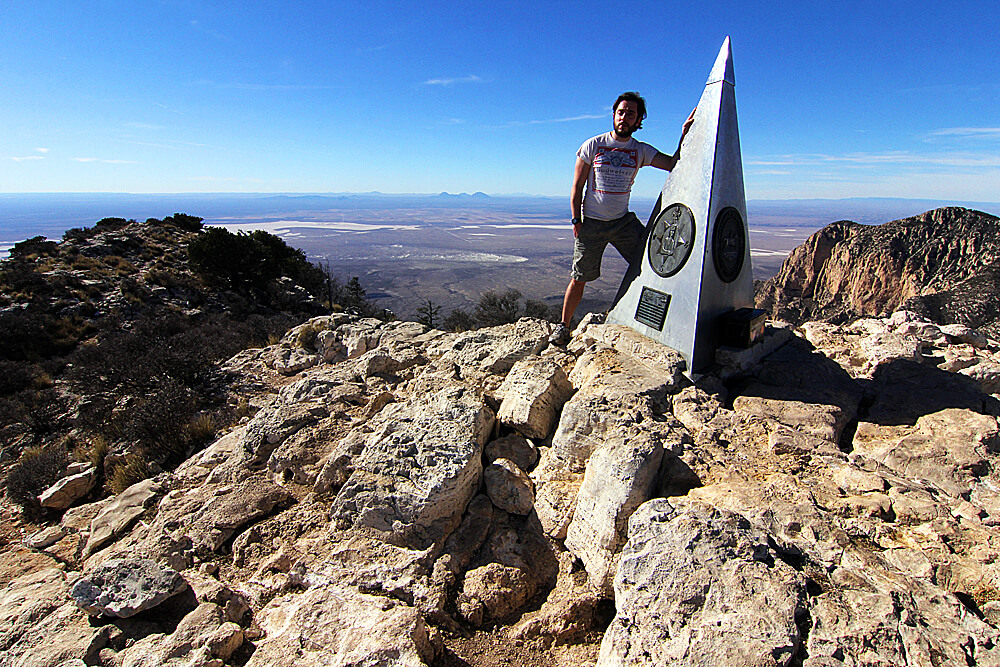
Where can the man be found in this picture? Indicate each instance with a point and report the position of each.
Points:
(607, 164)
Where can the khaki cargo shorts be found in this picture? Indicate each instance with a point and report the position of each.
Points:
(626, 234)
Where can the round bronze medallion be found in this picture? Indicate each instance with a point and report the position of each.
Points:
(671, 239)
(729, 244)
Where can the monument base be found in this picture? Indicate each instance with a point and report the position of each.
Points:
(731, 361)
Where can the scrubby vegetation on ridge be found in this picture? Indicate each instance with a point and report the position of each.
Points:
(110, 341)
(493, 309)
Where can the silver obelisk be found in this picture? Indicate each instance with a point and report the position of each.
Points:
(695, 265)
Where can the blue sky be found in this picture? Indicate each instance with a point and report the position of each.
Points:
(835, 99)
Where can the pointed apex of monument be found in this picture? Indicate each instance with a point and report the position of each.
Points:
(723, 69)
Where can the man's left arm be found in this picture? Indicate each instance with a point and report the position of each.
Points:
(668, 162)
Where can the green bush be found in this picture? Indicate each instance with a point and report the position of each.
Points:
(458, 320)
(36, 246)
(248, 262)
(188, 223)
(495, 309)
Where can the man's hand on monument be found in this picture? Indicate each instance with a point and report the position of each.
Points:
(688, 123)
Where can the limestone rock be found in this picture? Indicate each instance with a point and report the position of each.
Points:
(115, 517)
(897, 622)
(211, 515)
(571, 610)
(533, 392)
(123, 587)
(40, 626)
(987, 373)
(635, 346)
(339, 626)
(299, 458)
(946, 448)
(45, 537)
(619, 478)
(421, 464)
(272, 426)
(802, 390)
(509, 487)
(556, 488)
(904, 391)
(493, 591)
(289, 362)
(614, 391)
(69, 489)
(203, 638)
(209, 589)
(701, 587)
(515, 448)
(492, 350)
(964, 334)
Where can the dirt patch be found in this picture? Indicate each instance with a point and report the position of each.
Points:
(495, 649)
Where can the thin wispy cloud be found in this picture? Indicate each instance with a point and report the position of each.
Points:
(547, 121)
(173, 145)
(144, 126)
(968, 132)
(888, 158)
(472, 78)
(23, 158)
(569, 119)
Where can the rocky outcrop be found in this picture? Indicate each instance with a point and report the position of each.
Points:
(707, 588)
(125, 587)
(835, 504)
(942, 264)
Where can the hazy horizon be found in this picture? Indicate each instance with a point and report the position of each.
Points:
(445, 247)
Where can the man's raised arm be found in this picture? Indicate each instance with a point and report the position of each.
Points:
(668, 162)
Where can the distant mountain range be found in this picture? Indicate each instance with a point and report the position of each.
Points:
(23, 215)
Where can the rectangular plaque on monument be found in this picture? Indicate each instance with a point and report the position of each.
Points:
(695, 264)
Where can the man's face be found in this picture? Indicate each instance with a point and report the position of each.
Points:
(626, 118)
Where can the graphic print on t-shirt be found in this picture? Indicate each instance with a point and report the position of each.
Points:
(614, 169)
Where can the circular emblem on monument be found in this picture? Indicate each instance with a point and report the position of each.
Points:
(671, 239)
(729, 244)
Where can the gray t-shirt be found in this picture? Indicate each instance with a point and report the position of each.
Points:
(614, 165)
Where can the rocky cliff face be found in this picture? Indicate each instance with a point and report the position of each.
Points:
(943, 264)
(404, 496)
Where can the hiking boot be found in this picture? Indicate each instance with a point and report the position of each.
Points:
(561, 335)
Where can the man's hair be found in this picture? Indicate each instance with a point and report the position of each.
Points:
(639, 102)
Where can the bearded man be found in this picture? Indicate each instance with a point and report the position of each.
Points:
(607, 165)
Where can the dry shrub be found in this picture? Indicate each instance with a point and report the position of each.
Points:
(36, 470)
(200, 431)
(134, 468)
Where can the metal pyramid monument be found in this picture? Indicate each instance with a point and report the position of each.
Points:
(695, 265)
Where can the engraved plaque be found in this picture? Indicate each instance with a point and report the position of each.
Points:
(671, 239)
(652, 308)
(728, 244)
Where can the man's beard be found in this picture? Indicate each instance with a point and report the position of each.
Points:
(627, 133)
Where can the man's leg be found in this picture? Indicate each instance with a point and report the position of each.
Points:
(574, 293)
